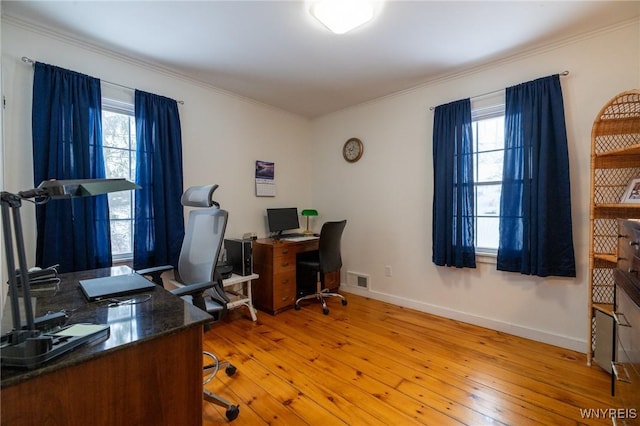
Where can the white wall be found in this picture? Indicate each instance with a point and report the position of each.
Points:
(222, 134)
(386, 196)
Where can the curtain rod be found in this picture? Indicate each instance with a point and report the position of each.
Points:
(562, 74)
(32, 62)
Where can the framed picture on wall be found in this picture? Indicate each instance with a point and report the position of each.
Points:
(632, 193)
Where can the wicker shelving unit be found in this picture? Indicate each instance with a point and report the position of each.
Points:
(615, 160)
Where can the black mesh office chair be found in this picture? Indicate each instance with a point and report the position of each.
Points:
(326, 259)
(196, 275)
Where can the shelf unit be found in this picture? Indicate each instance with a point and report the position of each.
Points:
(615, 160)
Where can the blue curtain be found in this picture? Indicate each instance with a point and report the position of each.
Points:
(159, 223)
(535, 224)
(67, 144)
(453, 231)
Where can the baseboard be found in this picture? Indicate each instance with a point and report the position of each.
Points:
(517, 330)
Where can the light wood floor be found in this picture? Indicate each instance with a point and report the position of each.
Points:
(372, 363)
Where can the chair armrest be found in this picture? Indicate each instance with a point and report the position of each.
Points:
(155, 273)
(193, 289)
(196, 291)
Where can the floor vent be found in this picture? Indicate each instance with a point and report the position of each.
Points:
(357, 279)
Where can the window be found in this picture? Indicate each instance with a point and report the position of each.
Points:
(488, 139)
(119, 147)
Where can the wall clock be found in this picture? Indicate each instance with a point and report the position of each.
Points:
(352, 150)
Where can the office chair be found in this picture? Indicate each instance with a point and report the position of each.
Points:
(198, 280)
(326, 259)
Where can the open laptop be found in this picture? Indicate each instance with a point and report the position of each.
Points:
(116, 285)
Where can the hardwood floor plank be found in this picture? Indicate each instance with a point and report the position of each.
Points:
(416, 357)
(384, 364)
(375, 363)
(314, 374)
(267, 393)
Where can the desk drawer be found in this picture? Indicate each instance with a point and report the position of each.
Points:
(284, 262)
(284, 250)
(284, 289)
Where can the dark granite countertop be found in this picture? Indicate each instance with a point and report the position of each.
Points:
(137, 318)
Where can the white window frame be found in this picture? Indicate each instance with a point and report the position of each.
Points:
(482, 109)
(125, 108)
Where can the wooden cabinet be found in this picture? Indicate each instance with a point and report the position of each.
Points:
(275, 263)
(615, 161)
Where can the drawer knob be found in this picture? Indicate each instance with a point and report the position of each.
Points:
(634, 244)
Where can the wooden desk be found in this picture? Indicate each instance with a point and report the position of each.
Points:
(147, 372)
(275, 262)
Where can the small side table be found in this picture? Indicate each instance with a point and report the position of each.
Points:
(240, 295)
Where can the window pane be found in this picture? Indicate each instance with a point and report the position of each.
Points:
(488, 238)
(490, 166)
(490, 134)
(117, 163)
(132, 133)
(115, 130)
(121, 231)
(120, 205)
(488, 200)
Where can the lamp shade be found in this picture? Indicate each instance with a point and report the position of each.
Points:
(72, 188)
(307, 213)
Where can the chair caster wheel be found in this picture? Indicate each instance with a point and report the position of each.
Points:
(325, 311)
(296, 307)
(230, 370)
(232, 412)
(344, 302)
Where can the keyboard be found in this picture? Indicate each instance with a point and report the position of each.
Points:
(302, 238)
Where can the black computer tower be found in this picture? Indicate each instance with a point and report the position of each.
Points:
(239, 256)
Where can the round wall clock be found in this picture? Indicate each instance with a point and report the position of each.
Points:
(352, 150)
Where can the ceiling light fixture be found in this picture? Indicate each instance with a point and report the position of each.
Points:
(341, 16)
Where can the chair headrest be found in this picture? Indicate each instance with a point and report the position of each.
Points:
(199, 196)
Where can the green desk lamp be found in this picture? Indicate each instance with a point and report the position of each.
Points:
(307, 213)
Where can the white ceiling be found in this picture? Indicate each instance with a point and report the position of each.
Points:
(274, 52)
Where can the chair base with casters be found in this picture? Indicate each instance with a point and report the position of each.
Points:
(320, 295)
(232, 410)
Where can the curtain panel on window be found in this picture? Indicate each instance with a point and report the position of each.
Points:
(159, 220)
(535, 226)
(67, 144)
(453, 221)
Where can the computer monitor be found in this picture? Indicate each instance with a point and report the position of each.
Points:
(282, 219)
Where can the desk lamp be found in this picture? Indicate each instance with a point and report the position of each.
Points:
(26, 345)
(307, 213)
